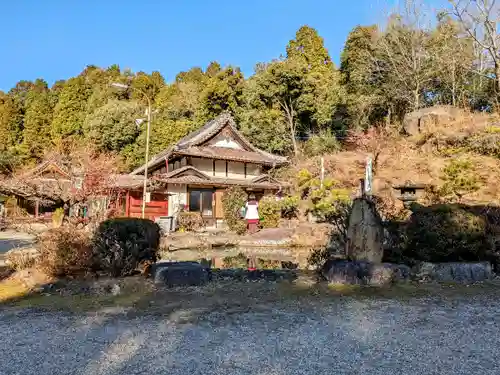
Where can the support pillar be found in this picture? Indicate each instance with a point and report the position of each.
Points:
(127, 204)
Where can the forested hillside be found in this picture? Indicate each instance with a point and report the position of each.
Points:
(300, 102)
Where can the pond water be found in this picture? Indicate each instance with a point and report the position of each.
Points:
(234, 258)
(245, 261)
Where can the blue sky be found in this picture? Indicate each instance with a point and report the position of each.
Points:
(56, 39)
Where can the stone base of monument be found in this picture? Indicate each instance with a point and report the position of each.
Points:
(455, 272)
(364, 273)
(180, 273)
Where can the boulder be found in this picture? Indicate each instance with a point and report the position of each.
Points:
(364, 273)
(424, 119)
(180, 273)
(365, 234)
(453, 272)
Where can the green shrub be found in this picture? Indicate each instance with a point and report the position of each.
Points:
(269, 212)
(190, 221)
(459, 179)
(290, 207)
(65, 252)
(442, 233)
(328, 200)
(322, 143)
(120, 246)
(233, 199)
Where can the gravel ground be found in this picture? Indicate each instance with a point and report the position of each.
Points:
(425, 336)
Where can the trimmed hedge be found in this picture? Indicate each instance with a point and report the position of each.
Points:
(121, 245)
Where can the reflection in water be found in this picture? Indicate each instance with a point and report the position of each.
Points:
(244, 261)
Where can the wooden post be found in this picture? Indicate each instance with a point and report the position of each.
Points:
(37, 208)
(127, 204)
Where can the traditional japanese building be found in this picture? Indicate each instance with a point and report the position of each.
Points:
(195, 172)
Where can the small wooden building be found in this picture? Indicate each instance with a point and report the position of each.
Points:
(195, 172)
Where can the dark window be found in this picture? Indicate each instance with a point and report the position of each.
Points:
(194, 201)
(206, 198)
(201, 201)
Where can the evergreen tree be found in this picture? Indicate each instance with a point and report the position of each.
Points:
(37, 124)
(364, 102)
(308, 49)
(10, 122)
(113, 126)
(70, 110)
(223, 92)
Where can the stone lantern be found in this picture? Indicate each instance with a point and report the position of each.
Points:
(409, 192)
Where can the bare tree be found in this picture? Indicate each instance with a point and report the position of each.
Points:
(86, 176)
(402, 57)
(479, 19)
(453, 56)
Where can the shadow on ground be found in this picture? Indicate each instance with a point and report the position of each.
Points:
(112, 334)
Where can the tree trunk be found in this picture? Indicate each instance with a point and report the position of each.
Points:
(497, 78)
(416, 98)
(388, 118)
(289, 114)
(294, 141)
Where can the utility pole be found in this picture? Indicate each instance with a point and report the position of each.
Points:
(123, 86)
(148, 131)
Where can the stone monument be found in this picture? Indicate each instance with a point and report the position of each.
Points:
(365, 233)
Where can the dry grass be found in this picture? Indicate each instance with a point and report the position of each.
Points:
(15, 285)
(419, 159)
(20, 260)
(11, 289)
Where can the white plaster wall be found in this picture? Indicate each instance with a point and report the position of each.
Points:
(204, 165)
(225, 142)
(253, 170)
(236, 170)
(220, 168)
(178, 196)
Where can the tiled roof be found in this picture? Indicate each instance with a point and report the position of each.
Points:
(217, 181)
(193, 141)
(193, 176)
(127, 181)
(55, 162)
(187, 168)
(224, 153)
